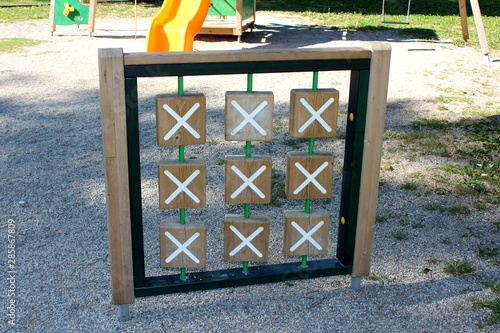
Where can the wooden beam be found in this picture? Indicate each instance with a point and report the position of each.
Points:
(463, 19)
(112, 86)
(372, 151)
(231, 56)
(476, 10)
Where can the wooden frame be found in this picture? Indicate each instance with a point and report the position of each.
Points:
(118, 72)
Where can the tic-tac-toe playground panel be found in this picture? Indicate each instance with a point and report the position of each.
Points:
(181, 120)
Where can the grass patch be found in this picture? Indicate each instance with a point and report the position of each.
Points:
(493, 304)
(277, 187)
(14, 44)
(430, 123)
(410, 185)
(219, 162)
(456, 267)
(400, 235)
(458, 209)
(495, 287)
(488, 252)
(446, 241)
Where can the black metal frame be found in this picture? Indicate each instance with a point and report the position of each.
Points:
(351, 182)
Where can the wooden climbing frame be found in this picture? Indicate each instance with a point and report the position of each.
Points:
(369, 68)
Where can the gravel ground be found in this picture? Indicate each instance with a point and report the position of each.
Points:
(52, 191)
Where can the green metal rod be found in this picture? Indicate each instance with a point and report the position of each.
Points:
(246, 210)
(245, 267)
(248, 149)
(183, 274)
(180, 85)
(182, 216)
(315, 80)
(307, 207)
(249, 83)
(311, 146)
(304, 261)
(181, 153)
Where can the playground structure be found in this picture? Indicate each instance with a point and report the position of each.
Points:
(175, 25)
(70, 12)
(178, 22)
(232, 17)
(180, 122)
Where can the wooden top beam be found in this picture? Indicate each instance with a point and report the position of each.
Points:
(249, 55)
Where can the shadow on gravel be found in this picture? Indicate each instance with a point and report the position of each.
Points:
(293, 36)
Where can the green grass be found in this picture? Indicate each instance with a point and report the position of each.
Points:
(429, 19)
(493, 304)
(13, 44)
(400, 235)
(278, 187)
(463, 266)
(470, 146)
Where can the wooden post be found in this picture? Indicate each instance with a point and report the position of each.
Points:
(114, 129)
(372, 151)
(480, 27)
(463, 19)
(91, 21)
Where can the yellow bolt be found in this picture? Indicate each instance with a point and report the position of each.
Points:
(351, 116)
(342, 220)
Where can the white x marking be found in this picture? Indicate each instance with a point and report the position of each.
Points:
(248, 182)
(181, 121)
(316, 115)
(249, 117)
(182, 247)
(307, 235)
(182, 186)
(245, 241)
(310, 178)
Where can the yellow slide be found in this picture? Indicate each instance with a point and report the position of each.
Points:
(176, 24)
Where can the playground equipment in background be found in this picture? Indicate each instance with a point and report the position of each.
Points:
(230, 17)
(69, 12)
(181, 120)
(176, 24)
(396, 22)
(178, 21)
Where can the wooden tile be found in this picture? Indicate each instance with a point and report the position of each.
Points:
(309, 176)
(249, 116)
(248, 179)
(306, 233)
(183, 245)
(182, 184)
(313, 113)
(246, 239)
(180, 120)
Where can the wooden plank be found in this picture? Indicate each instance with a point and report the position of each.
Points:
(192, 235)
(476, 10)
(297, 244)
(242, 124)
(372, 151)
(255, 232)
(112, 87)
(237, 189)
(463, 19)
(297, 184)
(314, 123)
(174, 126)
(158, 58)
(182, 184)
